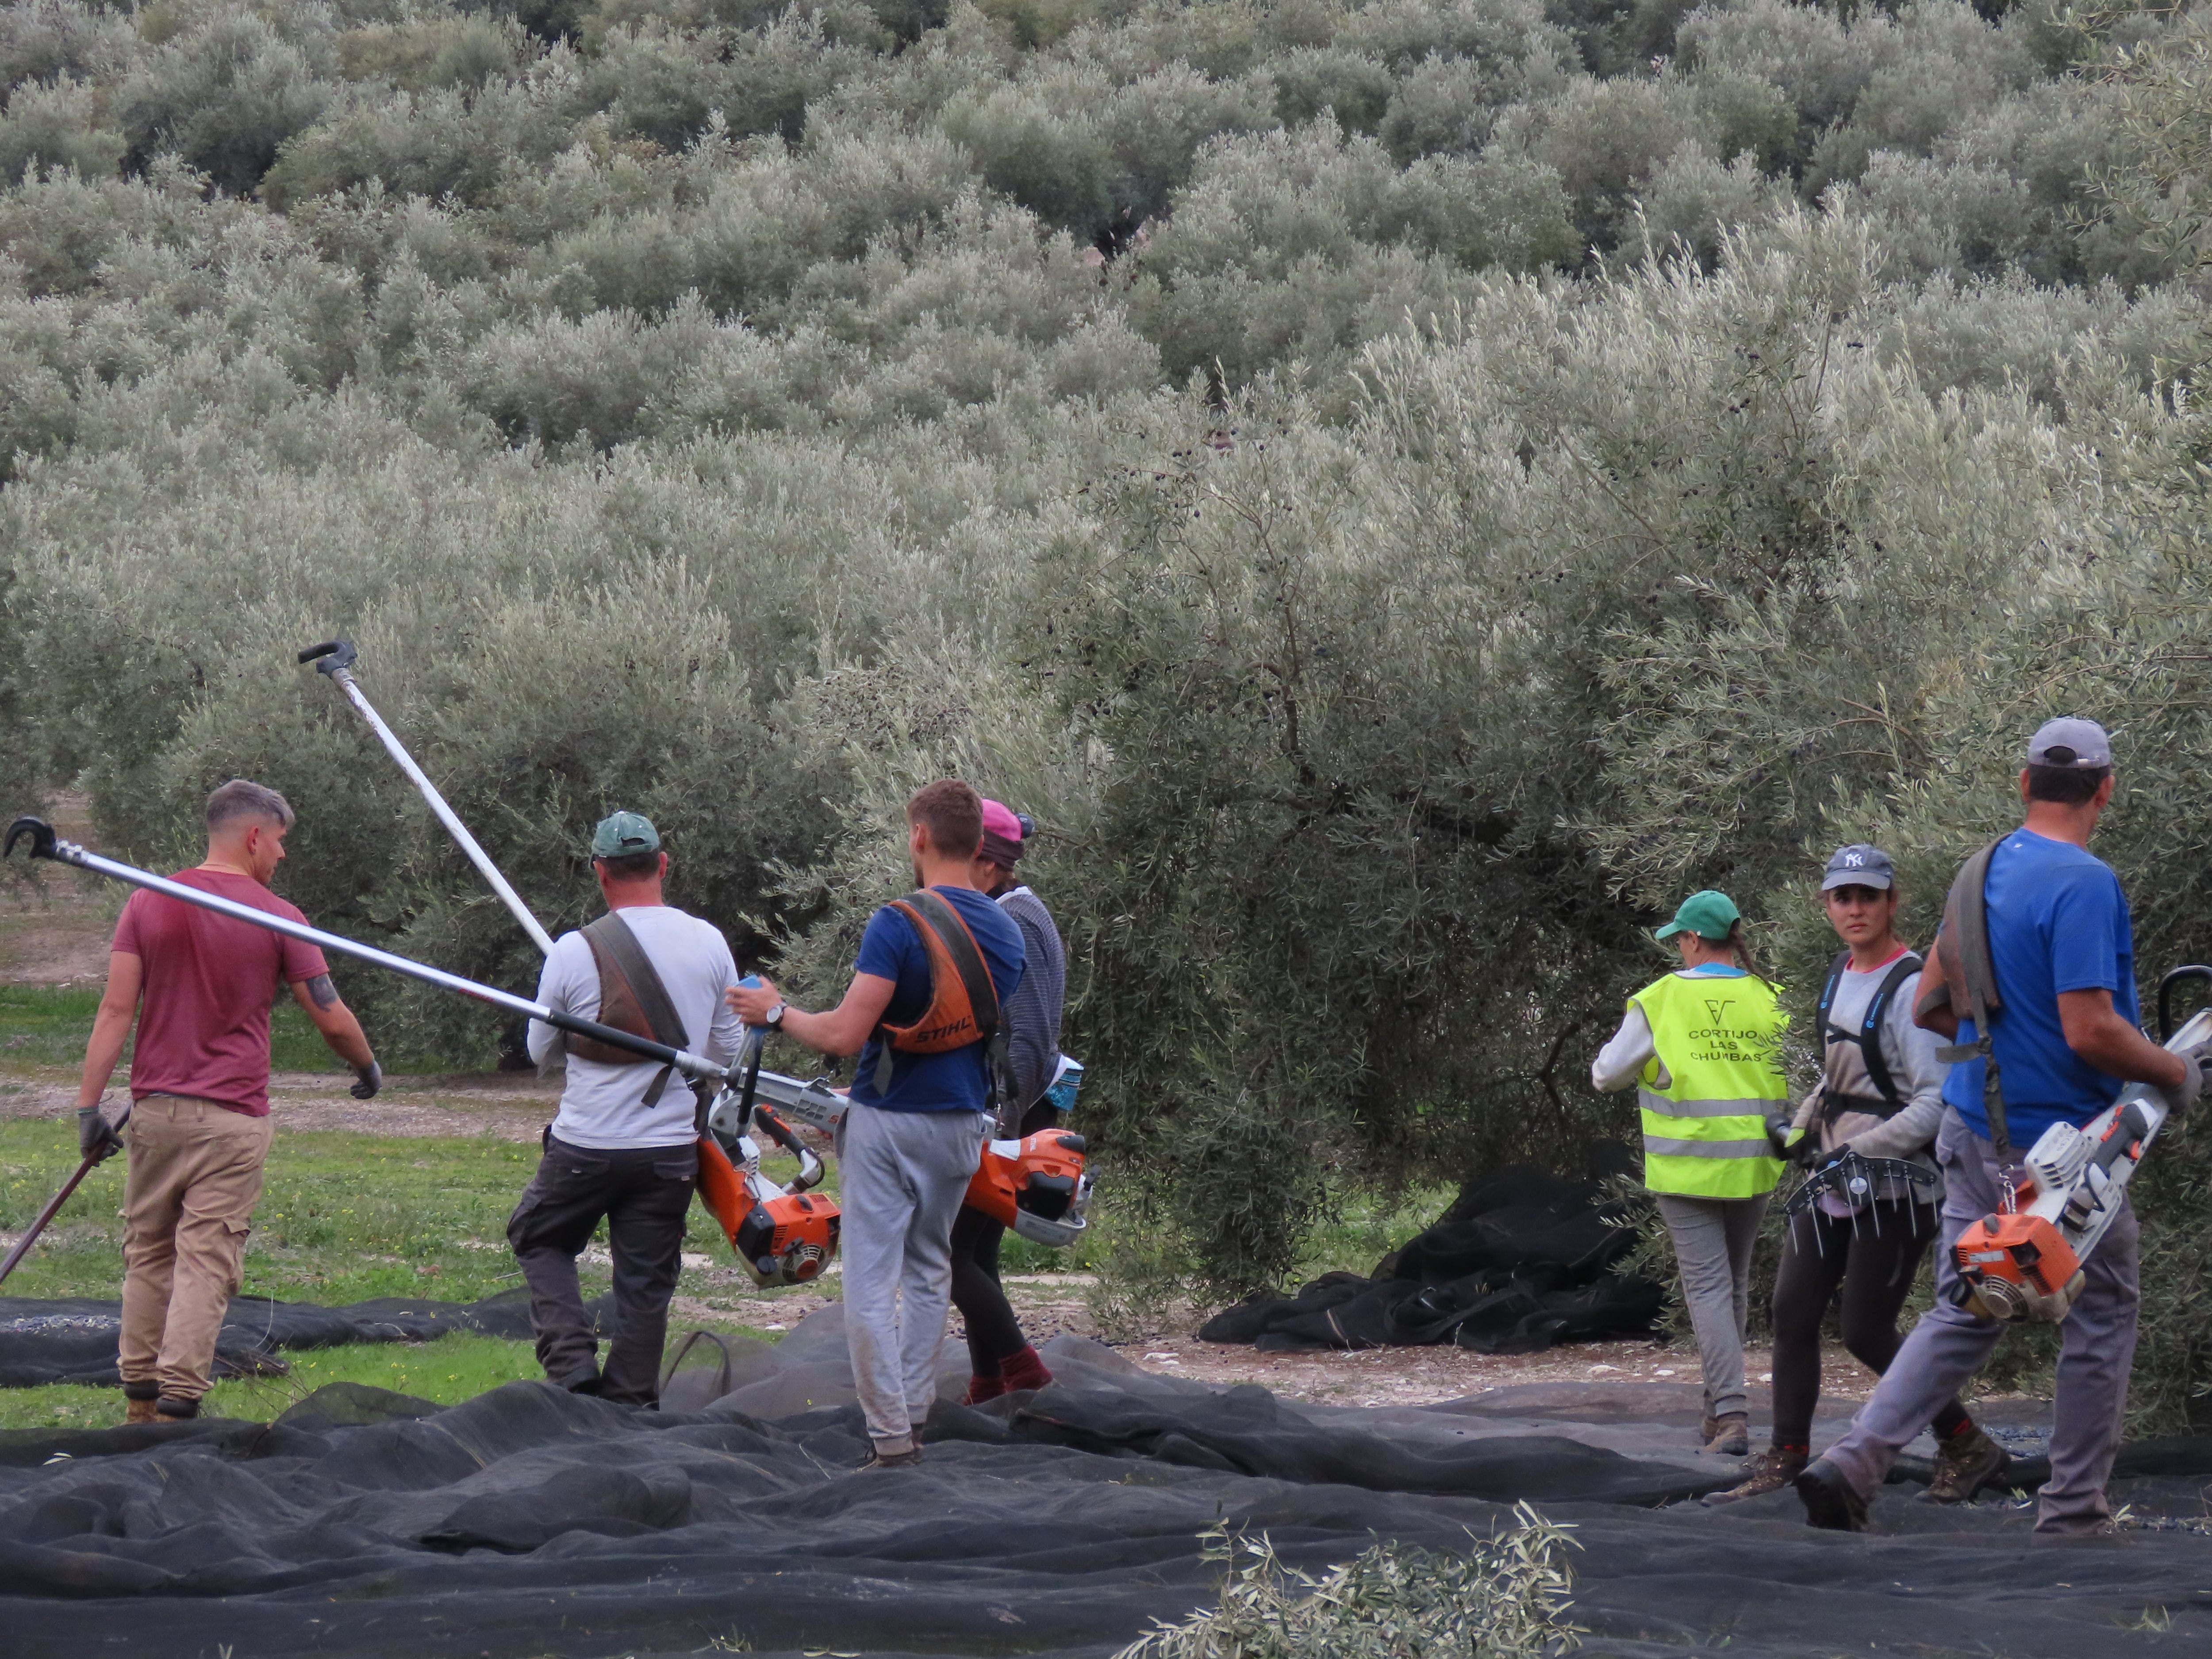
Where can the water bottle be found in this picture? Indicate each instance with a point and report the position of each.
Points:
(1065, 1082)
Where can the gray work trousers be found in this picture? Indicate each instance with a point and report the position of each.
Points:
(2097, 1349)
(901, 1178)
(1714, 1238)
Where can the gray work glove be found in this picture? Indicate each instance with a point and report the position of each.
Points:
(372, 1079)
(2184, 1095)
(95, 1137)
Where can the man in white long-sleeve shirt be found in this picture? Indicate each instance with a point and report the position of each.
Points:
(624, 1147)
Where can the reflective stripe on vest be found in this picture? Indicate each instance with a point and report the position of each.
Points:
(1720, 1040)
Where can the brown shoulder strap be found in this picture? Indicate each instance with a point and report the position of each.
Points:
(631, 998)
(1970, 978)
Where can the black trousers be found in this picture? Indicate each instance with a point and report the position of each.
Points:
(1872, 1257)
(643, 1194)
(995, 1335)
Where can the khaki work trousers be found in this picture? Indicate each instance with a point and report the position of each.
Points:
(194, 1175)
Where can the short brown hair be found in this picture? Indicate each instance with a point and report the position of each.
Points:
(240, 798)
(952, 813)
(630, 866)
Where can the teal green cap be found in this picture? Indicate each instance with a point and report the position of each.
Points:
(1708, 914)
(623, 834)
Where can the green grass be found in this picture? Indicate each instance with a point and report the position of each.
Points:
(449, 1370)
(343, 1218)
(48, 1025)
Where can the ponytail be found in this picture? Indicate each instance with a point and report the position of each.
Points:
(1741, 948)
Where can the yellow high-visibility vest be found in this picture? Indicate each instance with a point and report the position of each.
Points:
(1719, 1037)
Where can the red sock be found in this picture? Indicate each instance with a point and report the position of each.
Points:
(981, 1389)
(1023, 1371)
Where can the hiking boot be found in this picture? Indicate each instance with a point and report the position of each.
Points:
(175, 1411)
(910, 1459)
(1776, 1467)
(1964, 1465)
(1831, 1502)
(140, 1411)
(1729, 1436)
(981, 1389)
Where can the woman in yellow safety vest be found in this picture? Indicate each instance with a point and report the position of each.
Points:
(1703, 1046)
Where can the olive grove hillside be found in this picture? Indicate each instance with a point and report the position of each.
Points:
(1402, 492)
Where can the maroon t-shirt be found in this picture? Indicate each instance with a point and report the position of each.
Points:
(203, 1010)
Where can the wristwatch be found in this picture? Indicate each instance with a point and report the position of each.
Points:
(775, 1020)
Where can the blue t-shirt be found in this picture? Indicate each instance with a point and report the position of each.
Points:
(954, 1081)
(2057, 923)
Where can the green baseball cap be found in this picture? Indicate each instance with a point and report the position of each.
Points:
(1708, 914)
(623, 834)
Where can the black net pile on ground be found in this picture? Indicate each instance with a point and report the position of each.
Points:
(73, 1340)
(530, 1523)
(1515, 1265)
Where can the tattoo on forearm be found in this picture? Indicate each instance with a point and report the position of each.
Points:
(324, 994)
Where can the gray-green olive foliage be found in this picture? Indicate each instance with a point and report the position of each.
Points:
(1402, 490)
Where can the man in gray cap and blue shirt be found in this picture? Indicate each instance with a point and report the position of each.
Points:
(624, 1148)
(2062, 952)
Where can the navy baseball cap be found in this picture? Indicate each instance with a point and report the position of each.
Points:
(1859, 866)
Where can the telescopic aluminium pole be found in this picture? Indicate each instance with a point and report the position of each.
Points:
(45, 844)
(334, 659)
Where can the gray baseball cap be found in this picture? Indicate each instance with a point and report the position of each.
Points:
(623, 834)
(1859, 866)
(2069, 743)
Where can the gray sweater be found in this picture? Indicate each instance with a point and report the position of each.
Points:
(1913, 1067)
(1032, 1014)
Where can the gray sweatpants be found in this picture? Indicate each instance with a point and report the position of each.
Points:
(2097, 1349)
(901, 1177)
(1713, 1240)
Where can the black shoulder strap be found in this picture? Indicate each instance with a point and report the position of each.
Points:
(1828, 990)
(1877, 1063)
(612, 934)
(952, 930)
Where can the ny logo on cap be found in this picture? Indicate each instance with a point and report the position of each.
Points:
(1853, 860)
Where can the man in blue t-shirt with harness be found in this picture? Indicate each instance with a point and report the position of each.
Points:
(922, 1013)
(2062, 953)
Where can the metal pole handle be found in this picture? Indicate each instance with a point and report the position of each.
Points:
(334, 660)
(46, 845)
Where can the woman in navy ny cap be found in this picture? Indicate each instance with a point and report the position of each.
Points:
(1881, 1097)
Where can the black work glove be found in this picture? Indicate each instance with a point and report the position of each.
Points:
(95, 1137)
(1778, 1134)
(372, 1079)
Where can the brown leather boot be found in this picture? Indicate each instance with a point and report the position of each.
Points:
(1773, 1469)
(1729, 1436)
(138, 1401)
(1964, 1465)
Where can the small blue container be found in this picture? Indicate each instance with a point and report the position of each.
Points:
(1061, 1095)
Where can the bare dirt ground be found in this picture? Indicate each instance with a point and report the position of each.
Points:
(55, 923)
(510, 1107)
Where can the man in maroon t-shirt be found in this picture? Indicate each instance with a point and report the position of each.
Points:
(199, 987)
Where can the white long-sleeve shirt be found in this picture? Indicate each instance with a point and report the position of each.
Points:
(604, 1105)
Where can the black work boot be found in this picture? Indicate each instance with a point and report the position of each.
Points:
(1831, 1502)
